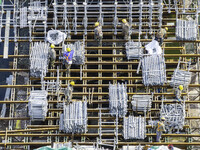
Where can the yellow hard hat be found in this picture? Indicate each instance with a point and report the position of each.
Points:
(166, 28)
(72, 83)
(69, 49)
(96, 24)
(52, 46)
(163, 118)
(124, 20)
(180, 87)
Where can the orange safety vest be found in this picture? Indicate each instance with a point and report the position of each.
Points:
(160, 126)
(66, 57)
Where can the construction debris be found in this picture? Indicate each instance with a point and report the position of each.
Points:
(153, 70)
(134, 127)
(39, 59)
(133, 50)
(37, 105)
(174, 115)
(74, 118)
(186, 29)
(118, 99)
(141, 102)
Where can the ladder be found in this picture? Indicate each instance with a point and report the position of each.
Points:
(106, 129)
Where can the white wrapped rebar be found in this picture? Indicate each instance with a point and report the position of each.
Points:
(55, 37)
(133, 50)
(186, 30)
(141, 102)
(134, 128)
(79, 53)
(38, 105)
(153, 70)
(74, 118)
(39, 59)
(174, 115)
(180, 77)
(118, 99)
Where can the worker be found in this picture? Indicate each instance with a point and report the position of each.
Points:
(68, 56)
(160, 127)
(125, 29)
(98, 34)
(69, 90)
(160, 35)
(178, 92)
(52, 55)
(170, 147)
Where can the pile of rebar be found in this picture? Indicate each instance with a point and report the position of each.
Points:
(186, 30)
(180, 77)
(153, 70)
(134, 127)
(39, 59)
(133, 50)
(174, 115)
(74, 118)
(141, 102)
(118, 99)
(37, 105)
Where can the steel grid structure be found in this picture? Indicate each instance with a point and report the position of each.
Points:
(102, 64)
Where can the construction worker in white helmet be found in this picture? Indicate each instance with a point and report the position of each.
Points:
(160, 35)
(178, 91)
(160, 128)
(125, 29)
(98, 34)
(52, 55)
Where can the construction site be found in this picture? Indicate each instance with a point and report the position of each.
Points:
(100, 74)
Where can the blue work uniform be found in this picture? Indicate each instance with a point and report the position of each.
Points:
(68, 56)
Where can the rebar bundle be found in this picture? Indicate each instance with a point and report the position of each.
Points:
(153, 70)
(134, 127)
(39, 59)
(186, 30)
(79, 53)
(141, 102)
(174, 115)
(74, 118)
(180, 77)
(118, 99)
(37, 11)
(23, 17)
(133, 50)
(37, 105)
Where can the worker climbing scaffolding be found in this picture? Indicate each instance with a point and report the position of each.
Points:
(177, 92)
(52, 55)
(68, 56)
(98, 34)
(69, 90)
(125, 29)
(160, 35)
(160, 128)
